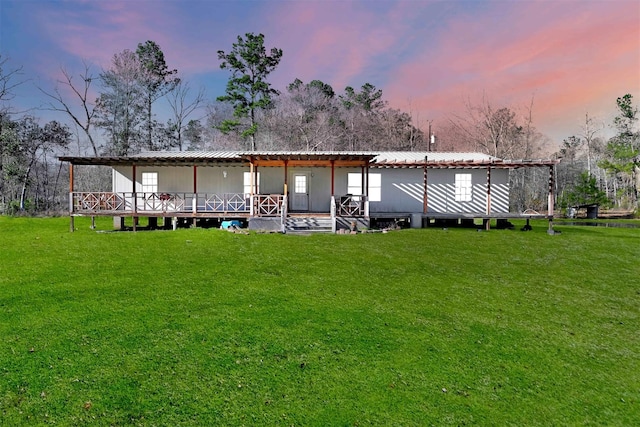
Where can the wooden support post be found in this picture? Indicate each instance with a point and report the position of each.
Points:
(366, 193)
(195, 179)
(425, 206)
(286, 177)
(488, 190)
(333, 166)
(194, 201)
(133, 182)
(71, 225)
(551, 201)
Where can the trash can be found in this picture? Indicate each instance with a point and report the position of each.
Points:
(592, 212)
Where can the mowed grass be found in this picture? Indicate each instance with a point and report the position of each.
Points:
(410, 328)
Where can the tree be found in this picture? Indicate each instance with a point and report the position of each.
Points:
(30, 144)
(194, 134)
(8, 82)
(496, 132)
(182, 107)
(156, 80)
(247, 89)
(120, 105)
(586, 192)
(304, 118)
(623, 150)
(369, 98)
(85, 118)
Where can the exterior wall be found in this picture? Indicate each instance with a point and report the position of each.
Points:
(179, 179)
(402, 191)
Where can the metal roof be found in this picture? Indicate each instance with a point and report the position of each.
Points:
(388, 159)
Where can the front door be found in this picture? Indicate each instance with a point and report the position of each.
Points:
(300, 199)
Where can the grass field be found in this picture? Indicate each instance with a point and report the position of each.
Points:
(410, 328)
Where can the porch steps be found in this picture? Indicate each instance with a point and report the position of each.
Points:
(306, 224)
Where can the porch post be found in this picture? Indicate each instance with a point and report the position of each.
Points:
(551, 200)
(489, 190)
(71, 225)
(134, 218)
(251, 171)
(333, 166)
(425, 206)
(194, 200)
(286, 174)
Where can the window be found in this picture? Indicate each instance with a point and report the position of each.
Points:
(375, 187)
(149, 182)
(354, 185)
(463, 187)
(247, 184)
(300, 184)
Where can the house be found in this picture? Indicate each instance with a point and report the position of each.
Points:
(283, 190)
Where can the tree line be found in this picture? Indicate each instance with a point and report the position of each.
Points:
(142, 104)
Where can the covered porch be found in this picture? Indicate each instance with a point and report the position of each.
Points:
(275, 184)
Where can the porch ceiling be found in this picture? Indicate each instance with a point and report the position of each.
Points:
(321, 159)
(467, 164)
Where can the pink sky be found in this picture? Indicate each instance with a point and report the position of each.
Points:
(428, 57)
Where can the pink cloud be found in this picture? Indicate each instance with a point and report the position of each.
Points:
(333, 41)
(568, 58)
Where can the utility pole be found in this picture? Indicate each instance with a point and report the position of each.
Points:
(432, 137)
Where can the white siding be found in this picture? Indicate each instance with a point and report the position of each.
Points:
(402, 191)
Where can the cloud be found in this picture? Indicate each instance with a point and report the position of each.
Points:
(564, 56)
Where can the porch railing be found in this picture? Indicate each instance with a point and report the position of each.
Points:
(129, 203)
(351, 205)
(268, 204)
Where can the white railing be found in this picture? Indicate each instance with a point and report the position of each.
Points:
(333, 214)
(268, 204)
(283, 214)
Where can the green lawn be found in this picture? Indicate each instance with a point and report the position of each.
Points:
(414, 327)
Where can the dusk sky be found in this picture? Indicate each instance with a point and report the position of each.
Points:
(428, 57)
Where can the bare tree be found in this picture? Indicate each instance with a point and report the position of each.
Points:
(183, 107)
(85, 118)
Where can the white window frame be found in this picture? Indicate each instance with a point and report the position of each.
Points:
(354, 183)
(463, 187)
(246, 184)
(375, 187)
(300, 182)
(149, 182)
